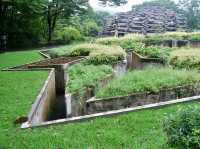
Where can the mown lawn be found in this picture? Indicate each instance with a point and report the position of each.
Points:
(10, 59)
(137, 130)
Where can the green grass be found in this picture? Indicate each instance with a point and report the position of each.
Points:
(60, 51)
(185, 59)
(151, 79)
(9, 59)
(155, 52)
(86, 75)
(138, 130)
(128, 42)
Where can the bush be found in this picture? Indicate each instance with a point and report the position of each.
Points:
(155, 52)
(195, 37)
(148, 80)
(107, 55)
(99, 54)
(86, 75)
(130, 41)
(69, 34)
(185, 58)
(90, 28)
(183, 128)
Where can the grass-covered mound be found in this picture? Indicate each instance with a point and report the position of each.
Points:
(96, 53)
(81, 75)
(155, 52)
(128, 42)
(186, 58)
(99, 54)
(148, 80)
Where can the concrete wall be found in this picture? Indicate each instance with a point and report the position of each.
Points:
(139, 99)
(44, 102)
(139, 62)
(76, 102)
(194, 44)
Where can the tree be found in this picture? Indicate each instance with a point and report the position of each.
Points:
(191, 9)
(162, 3)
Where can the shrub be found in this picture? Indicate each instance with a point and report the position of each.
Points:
(69, 34)
(99, 54)
(148, 80)
(155, 52)
(109, 55)
(185, 58)
(130, 41)
(86, 75)
(90, 28)
(183, 128)
(195, 37)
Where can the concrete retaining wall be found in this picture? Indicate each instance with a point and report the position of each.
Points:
(139, 62)
(44, 101)
(139, 99)
(194, 44)
(76, 102)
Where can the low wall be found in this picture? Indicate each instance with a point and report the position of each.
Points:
(194, 44)
(169, 43)
(76, 102)
(139, 62)
(114, 103)
(44, 101)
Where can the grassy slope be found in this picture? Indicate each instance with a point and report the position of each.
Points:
(138, 130)
(9, 59)
(86, 75)
(149, 80)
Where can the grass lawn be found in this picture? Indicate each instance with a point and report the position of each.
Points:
(137, 130)
(148, 80)
(9, 59)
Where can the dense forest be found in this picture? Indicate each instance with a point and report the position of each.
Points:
(39, 22)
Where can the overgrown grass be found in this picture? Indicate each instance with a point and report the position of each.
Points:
(86, 75)
(128, 42)
(185, 58)
(99, 54)
(138, 130)
(9, 59)
(148, 80)
(60, 51)
(155, 52)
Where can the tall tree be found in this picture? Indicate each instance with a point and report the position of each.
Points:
(191, 8)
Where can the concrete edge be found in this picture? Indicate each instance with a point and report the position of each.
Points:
(111, 113)
(41, 52)
(38, 98)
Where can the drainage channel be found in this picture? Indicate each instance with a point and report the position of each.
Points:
(54, 103)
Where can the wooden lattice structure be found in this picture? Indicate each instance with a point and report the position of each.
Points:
(148, 19)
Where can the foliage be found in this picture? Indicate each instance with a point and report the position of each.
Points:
(128, 42)
(148, 80)
(183, 129)
(99, 54)
(160, 3)
(107, 56)
(90, 28)
(86, 75)
(194, 36)
(155, 52)
(113, 132)
(69, 34)
(191, 9)
(185, 58)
